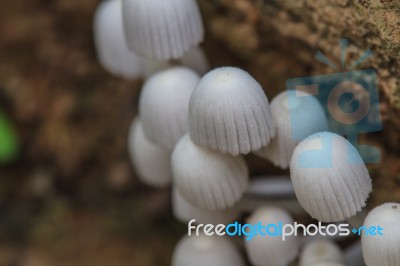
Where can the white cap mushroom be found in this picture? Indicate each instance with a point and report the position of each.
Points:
(162, 29)
(297, 115)
(110, 42)
(229, 112)
(268, 250)
(321, 251)
(380, 237)
(206, 250)
(329, 177)
(208, 179)
(185, 212)
(151, 162)
(163, 105)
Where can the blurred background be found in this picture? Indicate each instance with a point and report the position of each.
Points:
(69, 196)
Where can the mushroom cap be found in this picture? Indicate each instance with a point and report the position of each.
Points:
(329, 177)
(321, 251)
(162, 29)
(271, 250)
(297, 115)
(229, 112)
(110, 42)
(206, 250)
(163, 105)
(152, 163)
(185, 212)
(382, 250)
(208, 179)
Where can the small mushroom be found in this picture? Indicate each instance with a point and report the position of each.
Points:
(297, 115)
(151, 162)
(163, 105)
(205, 250)
(269, 250)
(208, 179)
(380, 237)
(329, 177)
(185, 212)
(320, 252)
(229, 112)
(110, 42)
(162, 30)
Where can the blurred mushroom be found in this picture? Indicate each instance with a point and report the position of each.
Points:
(162, 29)
(321, 251)
(208, 179)
(110, 42)
(329, 177)
(229, 112)
(164, 103)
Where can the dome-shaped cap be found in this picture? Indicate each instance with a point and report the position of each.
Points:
(268, 250)
(162, 29)
(110, 42)
(321, 251)
(185, 212)
(206, 250)
(163, 105)
(382, 249)
(208, 179)
(297, 115)
(329, 177)
(151, 163)
(229, 112)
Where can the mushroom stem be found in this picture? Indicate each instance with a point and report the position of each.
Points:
(353, 254)
(271, 187)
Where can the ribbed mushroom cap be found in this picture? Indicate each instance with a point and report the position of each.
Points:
(271, 250)
(329, 177)
(208, 179)
(229, 112)
(297, 115)
(152, 163)
(326, 263)
(185, 212)
(382, 250)
(110, 42)
(163, 105)
(321, 251)
(162, 29)
(206, 251)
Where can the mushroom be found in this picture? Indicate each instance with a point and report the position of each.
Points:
(320, 251)
(151, 162)
(269, 250)
(206, 250)
(208, 179)
(229, 112)
(162, 30)
(110, 42)
(380, 237)
(185, 212)
(329, 177)
(297, 115)
(163, 105)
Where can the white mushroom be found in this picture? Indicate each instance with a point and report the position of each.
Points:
(185, 212)
(162, 29)
(208, 179)
(110, 42)
(206, 250)
(297, 115)
(229, 112)
(380, 237)
(152, 163)
(163, 105)
(329, 177)
(321, 251)
(268, 250)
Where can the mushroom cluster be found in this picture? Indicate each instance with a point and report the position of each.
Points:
(195, 127)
